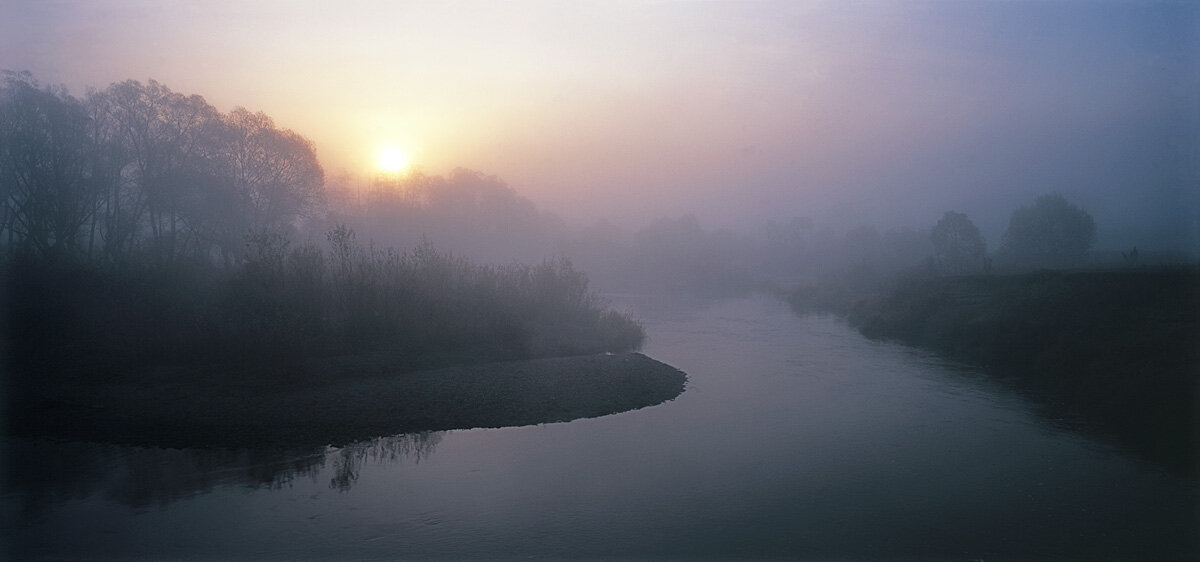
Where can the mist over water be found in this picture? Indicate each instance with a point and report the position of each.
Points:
(930, 270)
(796, 438)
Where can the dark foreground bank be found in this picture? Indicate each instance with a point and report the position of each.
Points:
(185, 412)
(1119, 350)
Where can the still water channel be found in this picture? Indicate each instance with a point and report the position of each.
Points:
(796, 438)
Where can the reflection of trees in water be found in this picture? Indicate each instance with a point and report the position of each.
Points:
(45, 473)
(350, 459)
(40, 474)
(166, 475)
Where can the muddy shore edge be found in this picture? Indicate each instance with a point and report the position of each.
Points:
(341, 411)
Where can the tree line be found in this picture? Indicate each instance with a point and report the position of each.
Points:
(139, 172)
(141, 227)
(138, 169)
(1051, 232)
(470, 213)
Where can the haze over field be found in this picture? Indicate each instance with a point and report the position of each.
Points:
(880, 113)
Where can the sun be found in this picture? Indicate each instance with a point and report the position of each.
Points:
(391, 159)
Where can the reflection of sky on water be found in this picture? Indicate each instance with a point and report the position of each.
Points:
(795, 438)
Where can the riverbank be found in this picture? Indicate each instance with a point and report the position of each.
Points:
(1119, 349)
(197, 411)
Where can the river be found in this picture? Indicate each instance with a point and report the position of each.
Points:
(796, 438)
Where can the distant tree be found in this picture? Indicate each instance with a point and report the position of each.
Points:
(466, 212)
(1051, 232)
(957, 244)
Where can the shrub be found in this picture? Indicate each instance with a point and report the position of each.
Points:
(285, 305)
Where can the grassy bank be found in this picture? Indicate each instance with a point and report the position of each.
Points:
(1119, 349)
(188, 412)
(288, 318)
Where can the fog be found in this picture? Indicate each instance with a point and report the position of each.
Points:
(851, 114)
(607, 279)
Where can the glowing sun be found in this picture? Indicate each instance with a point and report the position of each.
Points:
(391, 159)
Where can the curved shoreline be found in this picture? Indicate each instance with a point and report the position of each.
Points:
(515, 393)
(1114, 347)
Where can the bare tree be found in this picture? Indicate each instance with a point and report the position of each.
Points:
(275, 172)
(168, 140)
(46, 167)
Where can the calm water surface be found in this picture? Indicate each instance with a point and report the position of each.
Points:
(796, 438)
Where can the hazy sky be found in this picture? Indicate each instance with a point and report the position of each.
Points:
(864, 112)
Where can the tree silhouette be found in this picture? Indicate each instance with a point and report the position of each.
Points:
(47, 167)
(167, 142)
(275, 172)
(1051, 232)
(139, 169)
(957, 244)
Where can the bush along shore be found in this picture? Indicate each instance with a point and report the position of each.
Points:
(1118, 350)
(111, 345)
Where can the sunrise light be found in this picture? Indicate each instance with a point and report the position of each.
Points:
(392, 159)
(814, 279)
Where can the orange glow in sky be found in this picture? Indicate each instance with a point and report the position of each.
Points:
(392, 159)
(634, 110)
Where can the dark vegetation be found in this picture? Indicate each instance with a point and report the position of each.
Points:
(259, 414)
(142, 478)
(1116, 348)
(957, 244)
(1051, 232)
(285, 306)
(1119, 349)
(143, 226)
(146, 237)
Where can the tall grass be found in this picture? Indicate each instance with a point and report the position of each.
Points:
(287, 304)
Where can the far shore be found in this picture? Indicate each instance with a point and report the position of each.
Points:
(1117, 348)
(184, 412)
